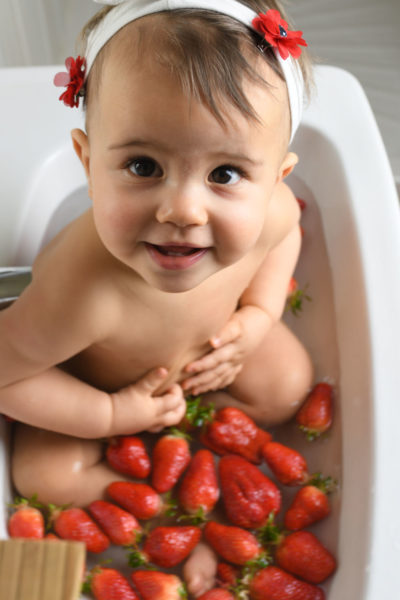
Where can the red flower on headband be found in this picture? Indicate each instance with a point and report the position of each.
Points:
(276, 32)
(73, 80)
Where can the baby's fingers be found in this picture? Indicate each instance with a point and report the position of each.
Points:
(229, 333)
(212, 380)
(150, 382)
(212, 360)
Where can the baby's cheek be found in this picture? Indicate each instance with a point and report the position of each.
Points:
(242, 236)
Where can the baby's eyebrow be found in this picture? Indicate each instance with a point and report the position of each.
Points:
(229, 156)
(128, 143)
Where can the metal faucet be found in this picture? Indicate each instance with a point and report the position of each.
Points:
(13, 280)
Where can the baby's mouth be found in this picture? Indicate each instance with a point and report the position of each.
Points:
(175, 257)
(176, 250)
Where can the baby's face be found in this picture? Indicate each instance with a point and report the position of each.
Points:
(177, 196)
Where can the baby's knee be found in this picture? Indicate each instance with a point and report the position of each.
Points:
(289, 390)
(51, 466)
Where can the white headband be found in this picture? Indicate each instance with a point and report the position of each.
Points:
(130, 10)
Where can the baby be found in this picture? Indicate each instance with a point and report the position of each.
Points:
(175, 281)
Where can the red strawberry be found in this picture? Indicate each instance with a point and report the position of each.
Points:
(302, 554)
(315, 415)
(199, 490)
(167, 546)
(138, 498)
(288, 465)
(293, 285)
(75, 524)
(171, 456)
(110, 584)
(271, 583)
(154, 585)
(233, 432)
(120, 526)
(249, 496)
(127, 454)
(234, 544)
(216, 594)
(226, 575)
(26, 522)
(302, 203)
(310, 504)
(51, 536)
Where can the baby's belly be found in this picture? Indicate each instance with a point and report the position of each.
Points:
(113, 370)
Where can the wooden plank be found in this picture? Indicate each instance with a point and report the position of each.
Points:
(41, 569)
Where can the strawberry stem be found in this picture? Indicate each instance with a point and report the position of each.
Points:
(198, 414)
(325, 484)
(138, 559)
(310, 434)
(270, 534)
(294, 302)
(198, 518)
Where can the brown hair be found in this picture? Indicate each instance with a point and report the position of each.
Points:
(206, 50)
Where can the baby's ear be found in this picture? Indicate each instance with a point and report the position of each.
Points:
(289, 162)
(81, 146)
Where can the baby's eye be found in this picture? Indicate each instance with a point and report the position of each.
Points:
(144, 167)
(226, 175)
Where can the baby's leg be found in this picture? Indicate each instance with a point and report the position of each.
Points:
(200, 570)
(58, 468)
(274, 380)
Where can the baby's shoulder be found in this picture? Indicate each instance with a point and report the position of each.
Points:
(284, 211)
(70, 275)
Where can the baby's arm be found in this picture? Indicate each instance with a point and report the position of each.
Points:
(260, 307)
(34, 337)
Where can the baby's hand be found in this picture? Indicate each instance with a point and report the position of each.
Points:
(218, 368)
(231, 347)
(135, 408)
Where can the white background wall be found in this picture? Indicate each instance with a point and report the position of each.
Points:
(361, 36)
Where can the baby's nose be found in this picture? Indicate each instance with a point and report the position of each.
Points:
(183, 208)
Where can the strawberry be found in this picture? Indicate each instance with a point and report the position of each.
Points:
(234, 544)
(226, 575)
(248, 495)
(51, 536)
(171, 456)
(302, 554)
(75, 524)
(127, 454)
(26, 522)
(292, 287)
(310, 504)
(302, 203)
(120, 526)
(216, 594)
(288, 465)
(167, 546)
(199, 490)
(233, 432)
(110, 584)
(138, 498)
(155, 585)
(271, 583)
(315, 415)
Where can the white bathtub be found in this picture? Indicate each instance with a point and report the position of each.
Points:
(350, 259)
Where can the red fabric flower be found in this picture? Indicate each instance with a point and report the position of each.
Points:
(73, 80)
(276, 32)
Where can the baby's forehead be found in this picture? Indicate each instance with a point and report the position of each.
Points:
(145, 47)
